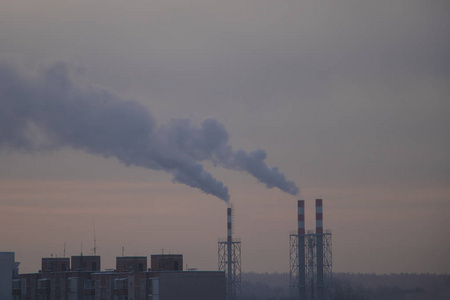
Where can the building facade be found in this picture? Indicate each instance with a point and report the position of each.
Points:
(55, 264)
(130, 281)
(167, 262)
(9, 270)
(89, 263)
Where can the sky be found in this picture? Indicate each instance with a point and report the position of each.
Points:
(143, 120)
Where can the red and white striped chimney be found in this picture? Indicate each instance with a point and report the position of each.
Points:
(319, 216)
(301, 216)
(229, 238)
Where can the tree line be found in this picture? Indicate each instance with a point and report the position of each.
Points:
(353, 286)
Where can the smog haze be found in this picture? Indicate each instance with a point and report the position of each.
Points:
(144, 119)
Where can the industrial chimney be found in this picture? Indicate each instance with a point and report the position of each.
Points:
(301, 250)
(310, 258)
(319, 249)
(229, 256)
(230, 259)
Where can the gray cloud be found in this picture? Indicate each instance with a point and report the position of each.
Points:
(99, 122)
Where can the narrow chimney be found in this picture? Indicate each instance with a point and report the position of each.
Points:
(229, 238)
(301, 250)
(301, 216)
(319, 249)
(319, 216)
(229, 256)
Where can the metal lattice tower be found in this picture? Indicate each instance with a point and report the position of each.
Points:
(229, 257)
(311, 256)
(311, 265)
(293, 267)
(327, 266)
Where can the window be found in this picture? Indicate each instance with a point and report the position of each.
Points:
(43, 283)
(89, 285)
(16, 284)
(120, 284)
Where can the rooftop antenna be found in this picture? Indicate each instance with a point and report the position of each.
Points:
(123, 249)
(64, 249)
(81, 248)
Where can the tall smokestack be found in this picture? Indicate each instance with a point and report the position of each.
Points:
(319, 248)
(229, 228)
(301, 216)
(229, 256)
(319, 216)
(230, 259)
(301, 250)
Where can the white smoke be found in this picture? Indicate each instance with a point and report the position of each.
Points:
(100, 122)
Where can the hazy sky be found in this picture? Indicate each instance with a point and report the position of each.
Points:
(348, 99)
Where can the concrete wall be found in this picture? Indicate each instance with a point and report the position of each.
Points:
(195, 285)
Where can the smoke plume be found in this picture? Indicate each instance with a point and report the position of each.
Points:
(49, 111)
